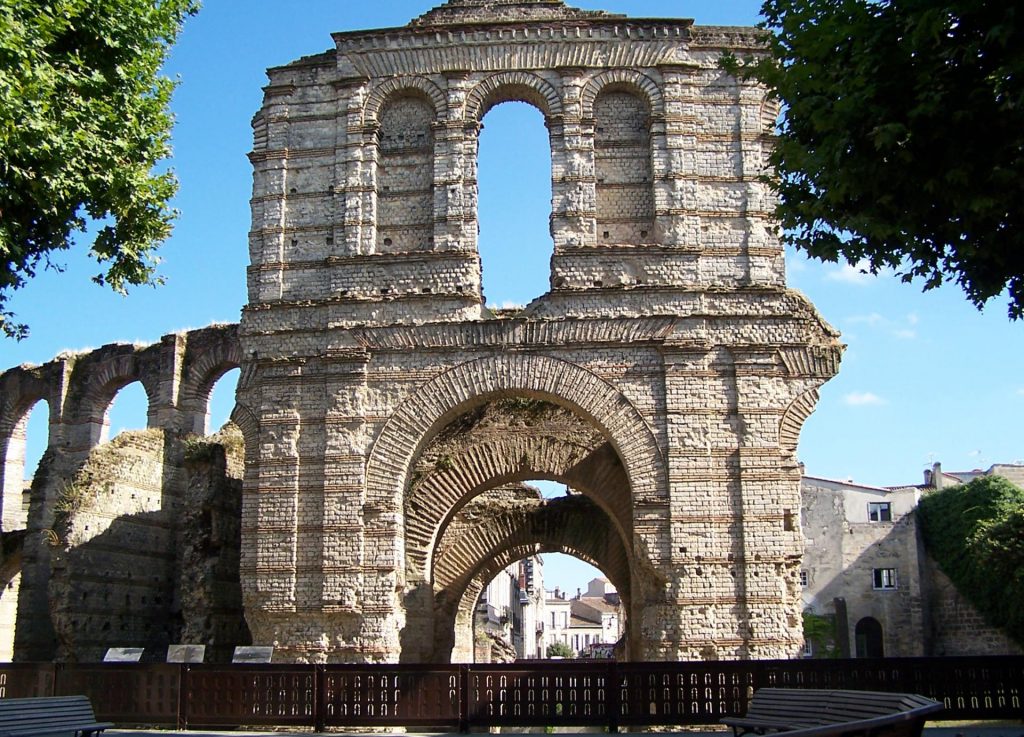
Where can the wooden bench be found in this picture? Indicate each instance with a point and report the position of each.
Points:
(806, 712)
(49, 715)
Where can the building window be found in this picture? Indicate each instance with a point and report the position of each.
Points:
(808, 649)
(880, 511)
(805, 579)
(885, 578)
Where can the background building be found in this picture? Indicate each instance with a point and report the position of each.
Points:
(866, 571)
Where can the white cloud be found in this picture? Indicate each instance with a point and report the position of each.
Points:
(873, 319)
(860, 399)
(901, 330)
(1020, 392)
(847, 274)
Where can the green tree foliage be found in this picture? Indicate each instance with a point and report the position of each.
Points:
(902, 140)
(560, 650)
(820, 631)
(83, 122)
(976, 534)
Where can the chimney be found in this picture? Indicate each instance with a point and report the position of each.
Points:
(937, 476)
(927, 477)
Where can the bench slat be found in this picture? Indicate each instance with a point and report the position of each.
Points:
(48, 715)
(828, 712)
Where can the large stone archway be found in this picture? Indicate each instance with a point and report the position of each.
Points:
(495, 441)
(683, 366)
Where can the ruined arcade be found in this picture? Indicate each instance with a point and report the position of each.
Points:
(664, 377)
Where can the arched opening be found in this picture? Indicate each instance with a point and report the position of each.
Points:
(528, 417)
(510, 479)
(514, 183)
(222, 401)
(518, 616)
(26, 444)
(128, 410)
(868, 638)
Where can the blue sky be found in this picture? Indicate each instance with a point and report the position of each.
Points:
(925, 378)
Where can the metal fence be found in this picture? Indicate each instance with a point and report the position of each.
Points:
(462, 697)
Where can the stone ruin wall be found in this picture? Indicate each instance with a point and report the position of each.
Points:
(955, 626)
(101, 547)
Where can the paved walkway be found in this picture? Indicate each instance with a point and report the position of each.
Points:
(967, 730)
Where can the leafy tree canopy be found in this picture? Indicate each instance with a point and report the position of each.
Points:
(975, 532)
(83, 122)
(560, 650)
(902, 143)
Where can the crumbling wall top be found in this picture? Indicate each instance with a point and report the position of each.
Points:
(490, 11)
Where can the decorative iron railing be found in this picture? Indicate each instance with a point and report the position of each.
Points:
(541, 693)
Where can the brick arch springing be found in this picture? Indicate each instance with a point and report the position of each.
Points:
(513, 86)
(483, 466)
(205, 369)
(793, 419)
(397, 86)
(434, 404)
(21, 391)
(246, 421)
(623, 80)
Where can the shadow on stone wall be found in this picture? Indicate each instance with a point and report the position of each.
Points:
(145, 548)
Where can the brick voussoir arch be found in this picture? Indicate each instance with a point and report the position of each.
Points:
(434, 404)
(101, 381)
(508, 86)
(247, 422)
(394, 87)
(487, 465)
(20, 390)
(795, 416)
(208, 366)
(626, 79)
(491, 546)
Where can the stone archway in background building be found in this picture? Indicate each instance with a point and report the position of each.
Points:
(869, 639)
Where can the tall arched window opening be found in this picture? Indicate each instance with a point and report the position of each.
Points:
(128, 410)
(514, 205)
(222, 401)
